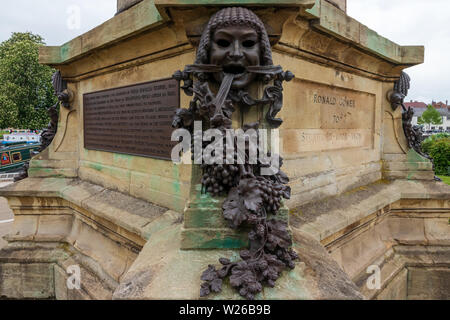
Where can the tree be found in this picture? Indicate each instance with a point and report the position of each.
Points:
(431, 140)
(440, 152)
(25, 85)
(430, 116)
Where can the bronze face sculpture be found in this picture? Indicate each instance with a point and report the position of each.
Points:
(235, 48)
(235, 53)
(235, 38)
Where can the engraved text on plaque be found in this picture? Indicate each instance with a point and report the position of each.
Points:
(132, 120)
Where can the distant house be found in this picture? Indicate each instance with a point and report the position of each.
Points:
(420, 107)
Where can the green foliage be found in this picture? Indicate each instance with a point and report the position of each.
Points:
(26, 90)
(429, 142)
(445, 179)
(440, 152)
(430, 116)
(2, 133)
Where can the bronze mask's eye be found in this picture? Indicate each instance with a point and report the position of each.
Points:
(223, 43)
(249, 43)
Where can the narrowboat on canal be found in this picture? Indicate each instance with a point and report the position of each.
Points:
(15, 155)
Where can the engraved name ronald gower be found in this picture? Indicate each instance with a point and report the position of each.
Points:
(226, 309)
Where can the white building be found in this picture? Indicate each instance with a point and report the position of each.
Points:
(443, 109)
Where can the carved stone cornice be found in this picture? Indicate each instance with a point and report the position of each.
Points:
(345, 44)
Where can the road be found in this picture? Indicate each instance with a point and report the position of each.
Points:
(6, 217)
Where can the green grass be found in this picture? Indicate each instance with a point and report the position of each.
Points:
(445, 179)
(2, 133)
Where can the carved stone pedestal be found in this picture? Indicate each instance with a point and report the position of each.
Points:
(140, 227)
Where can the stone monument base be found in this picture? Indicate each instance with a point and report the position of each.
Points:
(129, 249)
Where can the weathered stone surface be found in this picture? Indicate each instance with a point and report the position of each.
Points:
(411, 166)
(342, 141)
(5, 215)
(429, 283)
(123, 5)
(92, 286)
(407, 231)
(333, 149)
(53, 228)
(110, 255)
(329, 279)
(26, 281)
(380, 217)
(437, 231)
(397, 289)
(24, 228)
(163, 271)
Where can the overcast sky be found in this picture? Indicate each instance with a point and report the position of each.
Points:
(414, 22)
(406, 22)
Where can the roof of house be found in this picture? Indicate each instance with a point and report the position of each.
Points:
(419, 111)
(415, 104)
(420, 107)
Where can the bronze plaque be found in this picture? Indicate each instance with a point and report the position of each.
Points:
(135, 120)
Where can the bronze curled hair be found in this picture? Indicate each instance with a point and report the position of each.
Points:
(231, 17)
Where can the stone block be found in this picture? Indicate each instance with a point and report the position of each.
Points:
(167, 219)
(91, 285)
(60, 283)
(107, 176)
(361, 251)
(408, 166)
(397, 289)
(5, 228)
(26, 281)
(24, 227)
(110, 255)
(80, 191)
(429, 283)
(312, 195)
(168, 193)
(122, 210)
(53, 228)
(52, 172)
(437, 231)
(407, 231)
(394, 157)
(410, 175)
(313, 181)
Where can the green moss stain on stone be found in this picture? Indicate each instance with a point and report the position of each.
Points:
(205, 200)
(315, 10)
(153, 15)
(415, 163)
(96, 166)
(220, 242)
(122, 160)
(155, 182)
(45, 172)
(65, 52)
(377, 43)
(413, 157)
(176, 183)
(113, 172)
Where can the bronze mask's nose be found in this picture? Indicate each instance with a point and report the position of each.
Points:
(236, 53)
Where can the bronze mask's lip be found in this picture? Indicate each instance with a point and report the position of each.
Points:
(236, 69)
